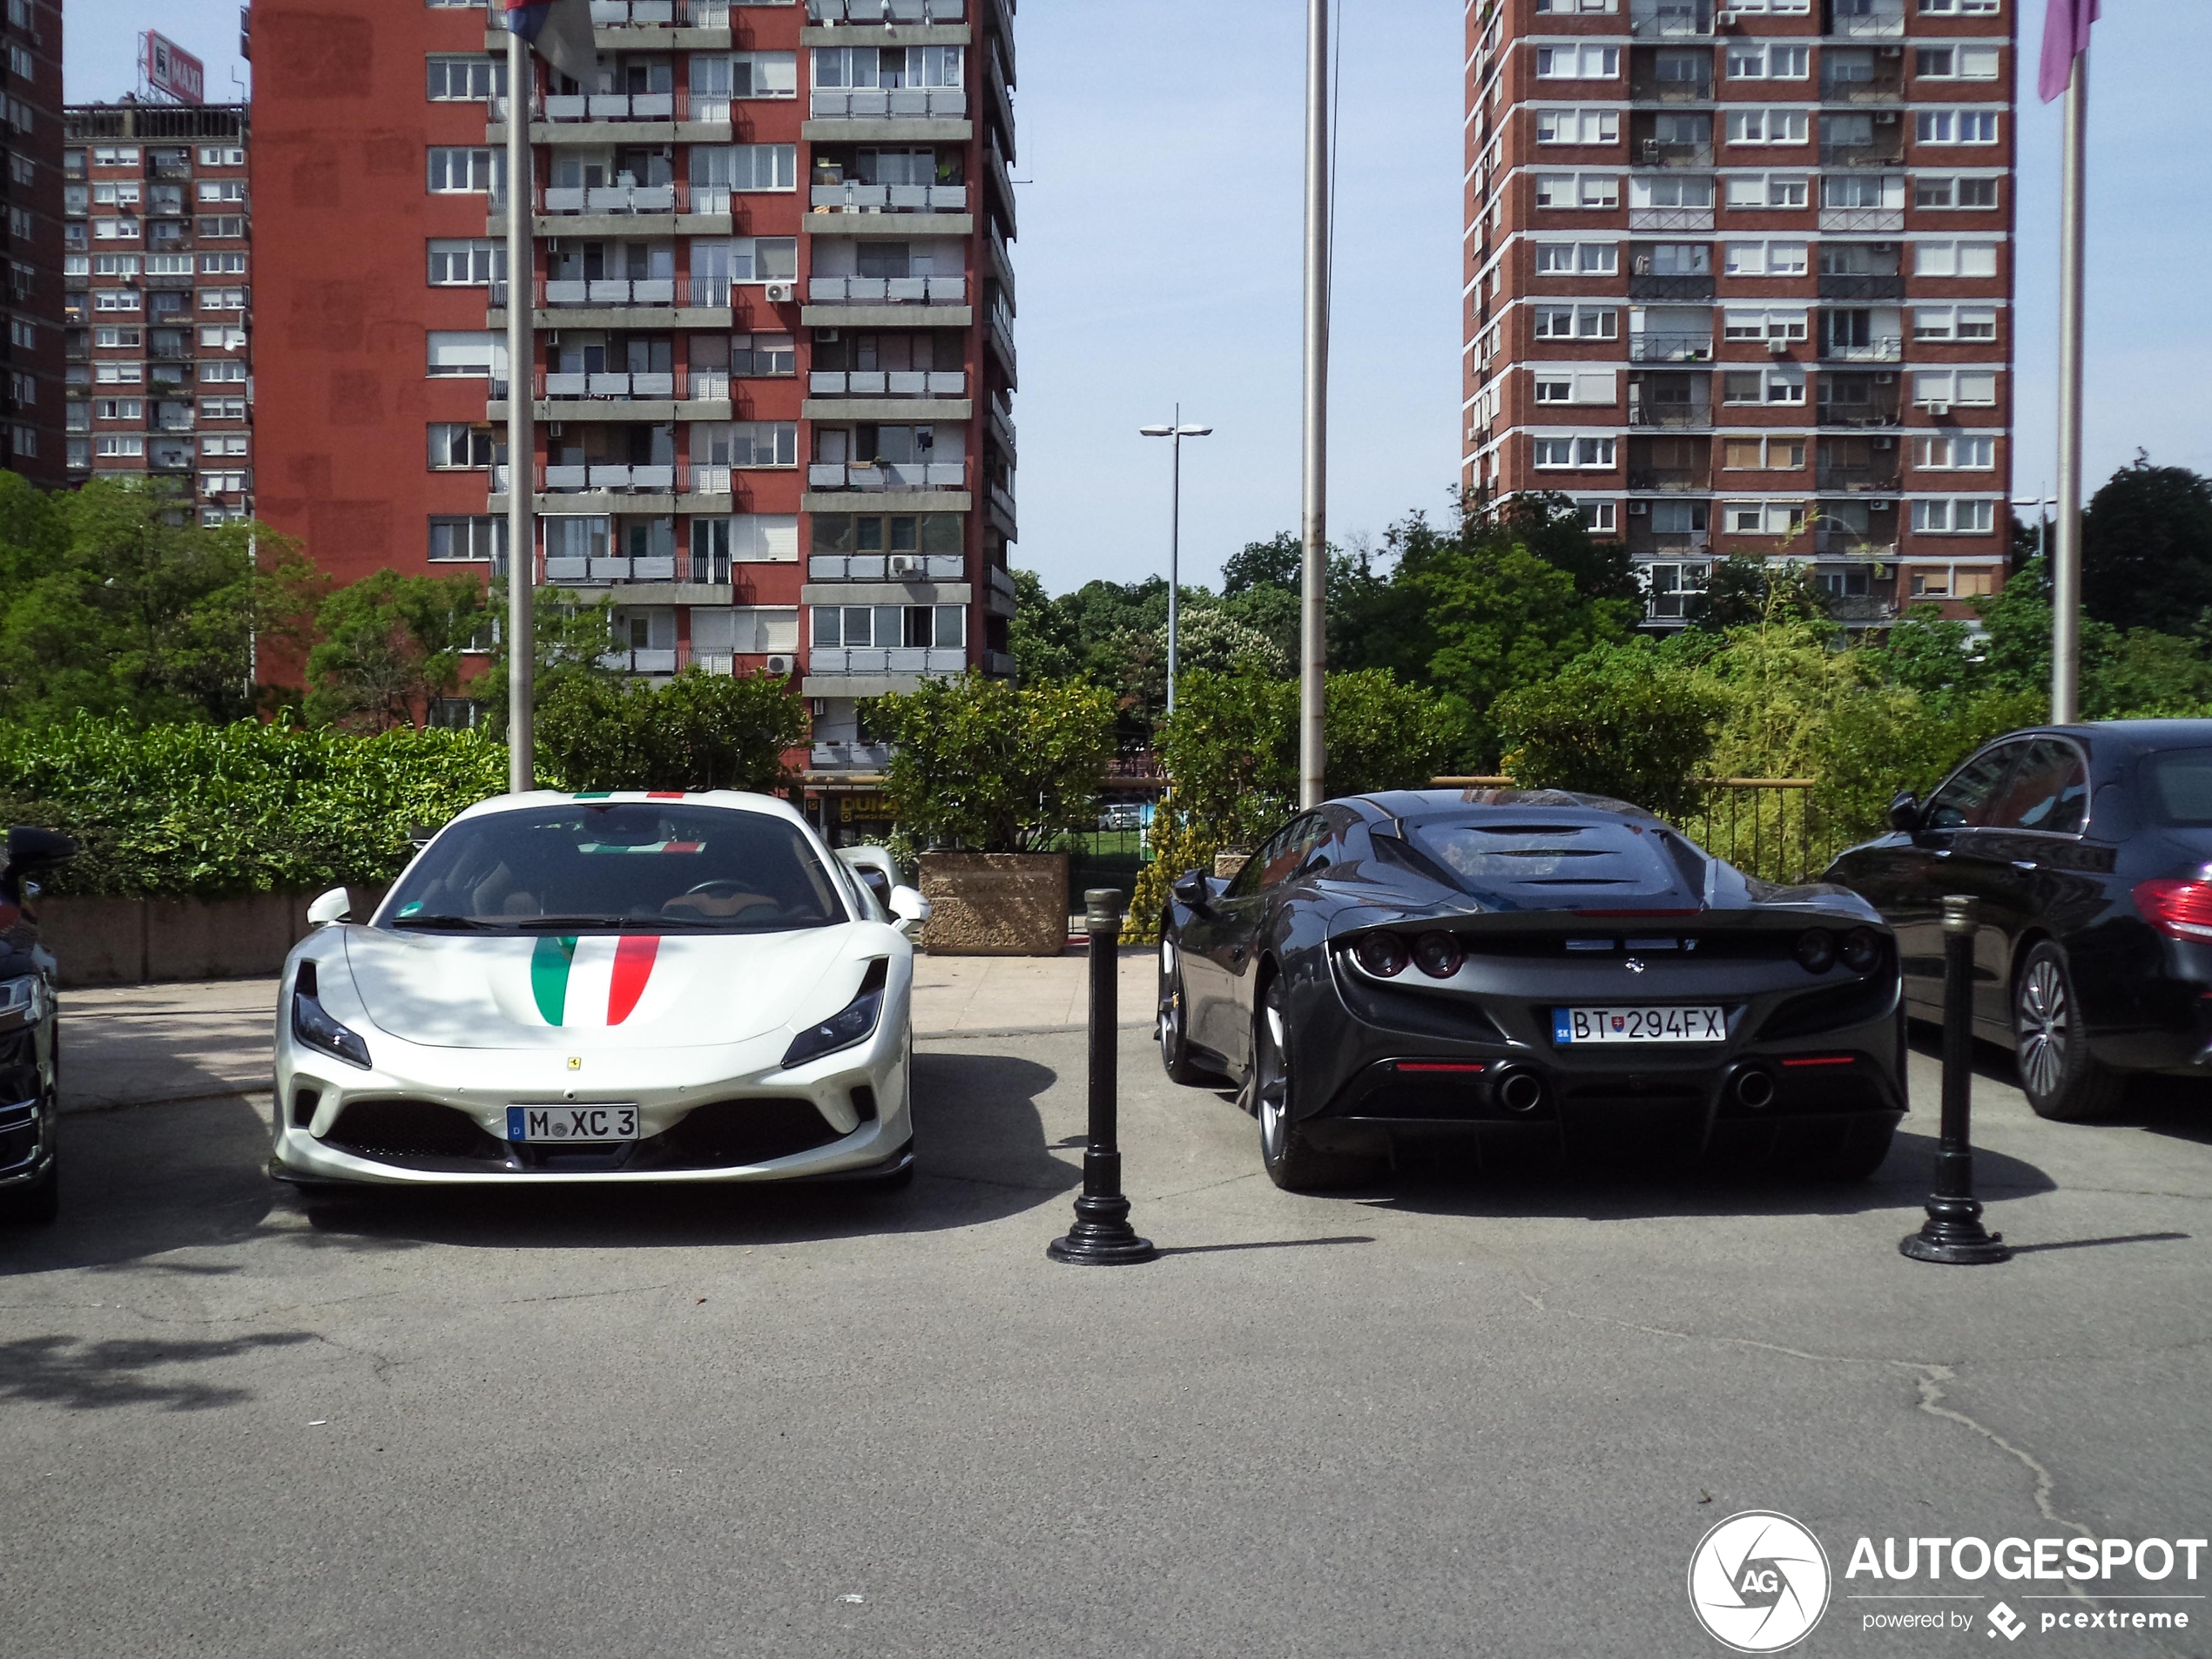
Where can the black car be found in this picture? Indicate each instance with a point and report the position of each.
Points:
(30, 1051)
(1529, 970)
(2090, 849)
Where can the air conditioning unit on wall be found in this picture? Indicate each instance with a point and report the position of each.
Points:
(781, 294)
(781, 665)
(907, 564)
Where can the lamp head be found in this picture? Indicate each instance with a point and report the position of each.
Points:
(1192, 431)
(1157, 431)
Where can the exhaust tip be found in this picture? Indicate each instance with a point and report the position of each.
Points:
(1521, 1091)
(1753, 1089)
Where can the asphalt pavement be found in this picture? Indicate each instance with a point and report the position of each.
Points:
(1456, 1414)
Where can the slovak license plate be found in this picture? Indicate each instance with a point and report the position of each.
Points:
(599, 1122)
(1640, 1025)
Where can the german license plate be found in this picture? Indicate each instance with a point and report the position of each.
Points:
(602, 1123)
(1639, 1025)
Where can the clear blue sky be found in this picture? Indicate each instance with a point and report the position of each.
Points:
(1158, 258)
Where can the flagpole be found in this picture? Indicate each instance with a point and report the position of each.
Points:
(1313, 646)
(521, 468)
(2065, 571)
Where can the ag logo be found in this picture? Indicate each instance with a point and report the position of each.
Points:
(1758, 1581)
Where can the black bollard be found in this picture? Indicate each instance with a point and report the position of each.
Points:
(1101, 1235)
(1954, 1231)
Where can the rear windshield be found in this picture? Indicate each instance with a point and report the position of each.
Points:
(1540, 859)
(2177, 788)
(641, 867)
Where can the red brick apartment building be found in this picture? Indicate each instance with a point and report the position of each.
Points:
(773, 312)
(31, 193)
(1738, 280)
(158, 284)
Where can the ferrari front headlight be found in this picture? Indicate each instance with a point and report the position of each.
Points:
(314, 1025)
(853, 1023)
(23, 1000)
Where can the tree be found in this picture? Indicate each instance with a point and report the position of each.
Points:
(1623, 721)
(570, 639)
(699, 730)
(1209, 639)
(1042, 636)
(1928, 653)
(991, 767)
(1740, 591)
(391, 644)
(2147, 548)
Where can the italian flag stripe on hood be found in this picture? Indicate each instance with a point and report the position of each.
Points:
(595, 981)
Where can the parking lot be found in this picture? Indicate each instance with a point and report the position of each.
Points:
(1454, 1413)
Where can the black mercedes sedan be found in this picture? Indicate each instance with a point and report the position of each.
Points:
(30, 1039)
(1529, 970)
(2090, 849)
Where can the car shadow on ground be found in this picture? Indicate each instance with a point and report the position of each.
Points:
(143, 1182)
(1448, 1182)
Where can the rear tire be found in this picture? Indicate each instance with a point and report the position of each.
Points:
(1289, 1156)
(2062, 1079)
(1175, 1037)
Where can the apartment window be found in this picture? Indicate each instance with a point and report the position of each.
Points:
(1954, 258)
(213, 264)
(124, 373)
(120, 408)
(744, 167)
(21, 331)
(891, 67)
(889, 627)
(1577, 322)
(112, 156)
(1955, 126)
(743, 74)
(1753, 322)
(473, 262)
(1954, 322)
(115, 265)
(1961, 8)
(1762, 517)
(222, 299)
(1767, 258)
(222, 409)
(1942, 516)
(116, 299)
(472, 539)
(1782, 384)
(1554, 385)
(214, 371)
(115, 195)
(220, 337)
(1576, 5)
(1929, 191)
(453, 172)
(1577, 190)
(1670, 190)
(1754, 60)
(1597, 515)
(222, 155)
(1957, 63)
(746, 258)
(458, 447)
(1578, 126)
(1861, 189)
(19, 62)
(457, 80)
(1766, 189)
(1967, 387)
(119, 443)
(745, 443)
(1577, 259)
(471, 354)
(1766, 126)
(130, 337)
(1968, 452)
(1762, 454)
(1574, 452)
(1674, 259)
(1577, 63)
(759, 355)
(230, 190)
(220, 444)
(227, 227)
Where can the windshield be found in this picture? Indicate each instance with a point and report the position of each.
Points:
(642, 867)
(2177, 788)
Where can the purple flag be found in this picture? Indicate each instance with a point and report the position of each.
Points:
(2065, 36)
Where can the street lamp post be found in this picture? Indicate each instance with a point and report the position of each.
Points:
(1177, 432)
(2042, 520)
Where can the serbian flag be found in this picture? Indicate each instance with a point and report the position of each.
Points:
(2065, 36)
(559, 31)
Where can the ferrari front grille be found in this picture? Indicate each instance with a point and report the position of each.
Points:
(725, 1134)
(384, 1129)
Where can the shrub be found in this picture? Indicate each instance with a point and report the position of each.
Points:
(984, 766)
(698, 732)
(1620, 721)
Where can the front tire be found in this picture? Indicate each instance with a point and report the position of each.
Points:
(2062, 1079)
(1285, 1151)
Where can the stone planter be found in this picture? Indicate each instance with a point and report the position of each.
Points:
(128, 941)
(995, 904)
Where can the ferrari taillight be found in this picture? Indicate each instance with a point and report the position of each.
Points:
(2180, 909)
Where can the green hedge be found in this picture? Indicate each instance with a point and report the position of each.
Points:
(207, 810)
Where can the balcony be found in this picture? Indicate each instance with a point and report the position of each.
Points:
(1667, 478)
(1885, 348)
(830, 13)
(885, 567)
(887, 384)
(1669, 19)
(1645, 87)
(1656, 153)
(878, 660)
(889, 103)
(1857, 481)
(1849, 220)
(1643, 286)
(879, 291)
(1857, 545)
(1696, 414)
(657, 387)
(606, 571)
(888, 475)
(1670, 219)
(1860, 607)
(1835, 284)
(1670, 348)
(627, 198)
(610, 291)
(873, 757)
(659, 14)
(1870, 416)
(640, 661)
(1882, 152)
(1881, 86)
(656, 480)
(1886, 22)
(617, 106)
(888, 199)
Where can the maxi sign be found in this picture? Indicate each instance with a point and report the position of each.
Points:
(172, 69)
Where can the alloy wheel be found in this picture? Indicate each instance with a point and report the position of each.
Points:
(1272, 1083)
(2042, 1021)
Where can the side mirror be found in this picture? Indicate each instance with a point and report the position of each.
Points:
(876, 882)
(1905, 814)
(337, 905)
(30, 848)
(907, 906)
(1191, 892)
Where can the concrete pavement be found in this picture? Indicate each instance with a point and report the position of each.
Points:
(1452, 1414)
